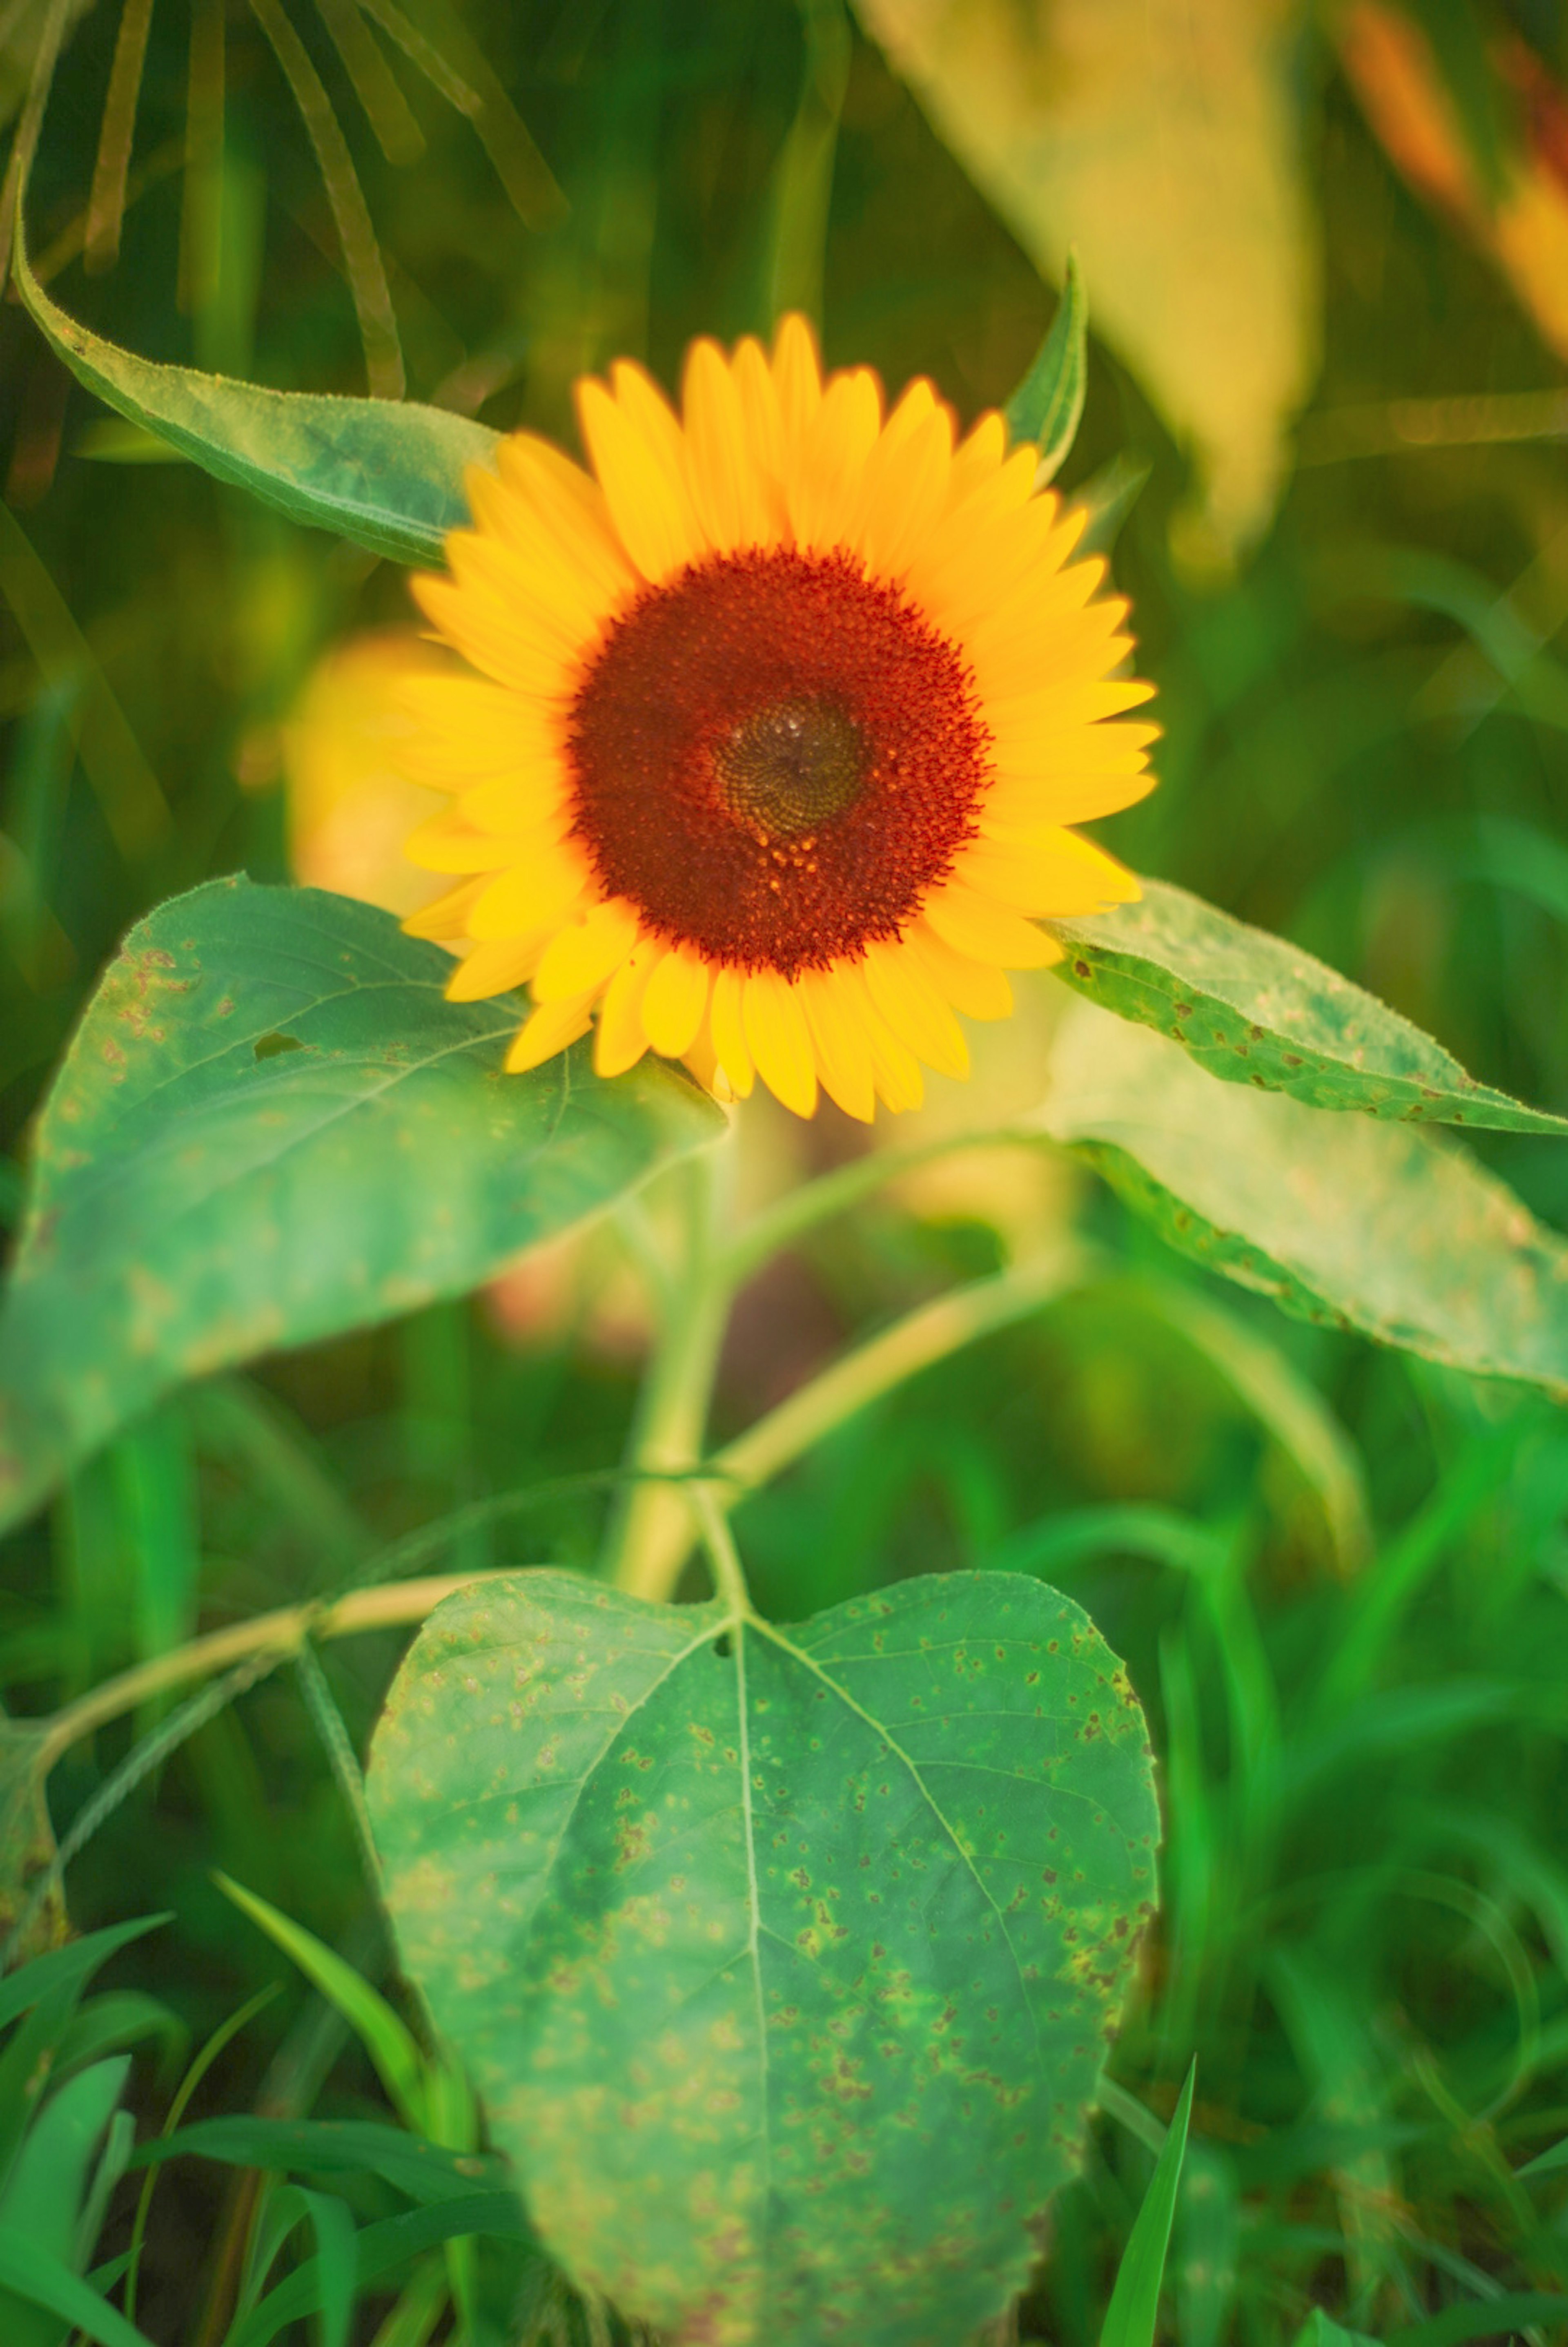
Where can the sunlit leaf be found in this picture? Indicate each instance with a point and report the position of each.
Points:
(271, 1125)
(1342, 1219)
(387, 474)
(1165, 145)
(1253, 1009)
(784, 1960)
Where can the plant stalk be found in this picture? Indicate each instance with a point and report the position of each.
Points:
(653, 1520)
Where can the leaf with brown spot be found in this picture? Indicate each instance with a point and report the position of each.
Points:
(1343, 1220)
(781, 2065)
(1273, 1016)
(195, 1201)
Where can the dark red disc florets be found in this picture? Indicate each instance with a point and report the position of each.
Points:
(775, 758)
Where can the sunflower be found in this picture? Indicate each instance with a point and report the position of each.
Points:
(778, 720)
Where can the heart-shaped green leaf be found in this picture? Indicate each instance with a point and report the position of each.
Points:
(387, 474)
(1340, 1218)
(270, 1126)
(1253, 1009)
(785, 1959)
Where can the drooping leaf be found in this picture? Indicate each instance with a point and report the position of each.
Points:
(387, 474)
(784, 1960)
(1049, 402)
(271, 1126)
(1170, 157)
(1253, 1009)
(1342, 1219)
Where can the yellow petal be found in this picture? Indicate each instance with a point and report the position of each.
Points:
(512, 555)
(779, 1041)
(1020, 812)
(549, 1030)
(758, 398)
(987, 931)
(1061, 875)
(531, 799)
(978, 989)
(530, 895)
(797, 379)
(448, 916)
(571, 512)
(906, 481)
(442, 845)
(620, 1039)
(582, 956)
(645, 487)
(675, 999)
(914, 1009)
(824, 484)
(894, 1068)
(843, 1051)
(496, 969)
(726, 1028)
(978, 457)
(724, 486)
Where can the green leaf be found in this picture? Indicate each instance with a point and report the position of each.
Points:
(1253, 1009)
(1489, 2319)
(387, 474)
(425, 2171)
(1340, 1219)
(389, 2044)
(40, 2279)
(70, 1966)
(48, 2185)
(200, 1195)
(1049, 402)
(1318, 2330)
(784, 1960)
(379, 2248)
(1134, 2311)
(1545, 2162)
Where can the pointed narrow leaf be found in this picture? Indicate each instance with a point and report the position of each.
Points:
(1253, 1009)
(1340, 1219)
(784, 1960)
(1049, 402)
(271, 1126)
(1133, 2315)
(386, 2038)
(387, 474)
(1318, 2330)
(40, 2279)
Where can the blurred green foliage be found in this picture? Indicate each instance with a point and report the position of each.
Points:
(1365, 1939)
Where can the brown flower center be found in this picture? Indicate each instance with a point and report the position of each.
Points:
(775, 758)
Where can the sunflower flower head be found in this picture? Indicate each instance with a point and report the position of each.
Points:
(780, 716)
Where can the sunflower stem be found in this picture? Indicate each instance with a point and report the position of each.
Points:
(653, 1527)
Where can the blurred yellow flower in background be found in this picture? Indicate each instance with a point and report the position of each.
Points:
(350, 804)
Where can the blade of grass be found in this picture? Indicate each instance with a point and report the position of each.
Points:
(387, 111)
(1134, 2311)
(350, 213)
(223, 2036)
(106, 203)
(201, 196)
(389, 2042)
(126, 789)
(43, 2281)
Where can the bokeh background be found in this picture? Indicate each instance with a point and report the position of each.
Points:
(1327, 259)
